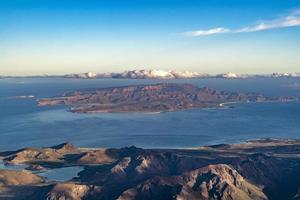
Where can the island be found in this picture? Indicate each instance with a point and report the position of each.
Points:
(260, 169)
(161, 97)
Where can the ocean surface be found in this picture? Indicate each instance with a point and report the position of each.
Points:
(23, 123)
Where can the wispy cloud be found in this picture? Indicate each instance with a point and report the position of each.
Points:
(207, 32)
(289, 21)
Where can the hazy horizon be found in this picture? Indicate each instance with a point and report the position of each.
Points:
(129, 69)
(62, 37)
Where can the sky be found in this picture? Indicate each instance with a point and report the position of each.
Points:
(73, 36)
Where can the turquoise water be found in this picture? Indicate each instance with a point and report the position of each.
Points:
(23, 124)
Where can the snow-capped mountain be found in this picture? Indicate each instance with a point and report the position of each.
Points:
(89, 75)
(170, 74)
(285, 75)
(231, 75)
(141, 74)
(158, 74)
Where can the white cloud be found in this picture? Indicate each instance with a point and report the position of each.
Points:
(207, 32)
(288, 21)
(291, 20)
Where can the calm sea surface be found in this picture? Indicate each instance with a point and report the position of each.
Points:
(23, 123)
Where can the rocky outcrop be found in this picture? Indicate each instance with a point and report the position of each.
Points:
(64, 155)
(53, 154)
(211, 182)
(100, 156)
(152, 98)
(31, 154)
(219, 182)
(19, 185)
(67, 191)
(17, 178)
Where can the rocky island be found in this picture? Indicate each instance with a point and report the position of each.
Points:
(152, 98)
(260, 169)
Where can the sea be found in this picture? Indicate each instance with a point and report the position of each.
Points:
(24, 124)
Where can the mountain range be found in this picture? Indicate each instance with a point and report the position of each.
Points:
(161, 74)
(256, 170)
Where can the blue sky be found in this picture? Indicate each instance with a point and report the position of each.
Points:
(70, 36)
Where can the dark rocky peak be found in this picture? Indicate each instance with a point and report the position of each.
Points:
(64, 146)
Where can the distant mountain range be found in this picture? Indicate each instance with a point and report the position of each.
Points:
(162, 74)
(141, 74)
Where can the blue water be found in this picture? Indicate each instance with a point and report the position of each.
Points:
(61, 174)
(57, 174)
(23, 123)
